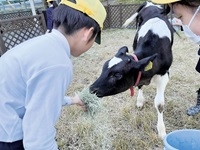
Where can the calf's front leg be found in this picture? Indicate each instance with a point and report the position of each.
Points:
(140, 98)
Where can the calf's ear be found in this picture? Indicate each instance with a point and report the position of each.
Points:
(143, 64)
(122, 50)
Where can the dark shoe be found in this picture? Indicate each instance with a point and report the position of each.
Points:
(195, 109)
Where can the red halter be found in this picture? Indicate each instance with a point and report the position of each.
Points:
(138, 78)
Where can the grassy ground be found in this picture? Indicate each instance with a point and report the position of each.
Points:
(120, 125)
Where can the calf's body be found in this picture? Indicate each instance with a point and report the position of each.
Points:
(152, 59)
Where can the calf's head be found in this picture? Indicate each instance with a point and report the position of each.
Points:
(119, 73)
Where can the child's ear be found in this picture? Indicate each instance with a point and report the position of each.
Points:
(88, 33)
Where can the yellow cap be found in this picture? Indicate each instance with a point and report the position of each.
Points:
(93, 8)
(164, 1)
(50, 0)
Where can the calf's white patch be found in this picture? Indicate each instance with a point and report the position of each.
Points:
(151, 4)
(114, 61)
(157, 26)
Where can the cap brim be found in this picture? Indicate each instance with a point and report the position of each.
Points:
(164, 1)
(98, 38)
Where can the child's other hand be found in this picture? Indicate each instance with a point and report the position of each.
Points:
(176, 22)
(77, 101)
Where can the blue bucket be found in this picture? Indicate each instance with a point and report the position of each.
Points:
(186, 139)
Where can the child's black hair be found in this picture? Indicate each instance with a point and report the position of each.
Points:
(72, 20)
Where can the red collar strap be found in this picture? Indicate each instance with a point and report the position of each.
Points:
(138, 78)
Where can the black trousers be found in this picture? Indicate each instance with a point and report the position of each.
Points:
(17, 145)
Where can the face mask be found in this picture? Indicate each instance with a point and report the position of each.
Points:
(188, 32)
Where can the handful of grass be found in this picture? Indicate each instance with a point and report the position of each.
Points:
(91, 101)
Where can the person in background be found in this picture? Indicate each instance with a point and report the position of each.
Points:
(51, 6)
(188, 11)
(35, 75)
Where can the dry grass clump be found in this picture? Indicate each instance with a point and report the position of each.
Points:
(92, 102)
(120, 125)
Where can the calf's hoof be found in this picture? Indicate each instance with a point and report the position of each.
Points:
(139, 106)
(162, 135)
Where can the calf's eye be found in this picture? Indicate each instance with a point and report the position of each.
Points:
(118, 76)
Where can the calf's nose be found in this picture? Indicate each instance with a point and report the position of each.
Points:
(93, 90)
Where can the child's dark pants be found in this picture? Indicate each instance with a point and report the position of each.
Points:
(17, 145)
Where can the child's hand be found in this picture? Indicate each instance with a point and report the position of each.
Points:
(77, 101)
(176, 22)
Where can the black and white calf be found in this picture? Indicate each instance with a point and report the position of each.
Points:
(150, 61)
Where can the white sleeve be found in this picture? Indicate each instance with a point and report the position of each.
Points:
(67, 101)
(44, 99)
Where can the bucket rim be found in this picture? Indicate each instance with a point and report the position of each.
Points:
(176, 131)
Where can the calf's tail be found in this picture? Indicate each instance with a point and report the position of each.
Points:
(129, 20)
